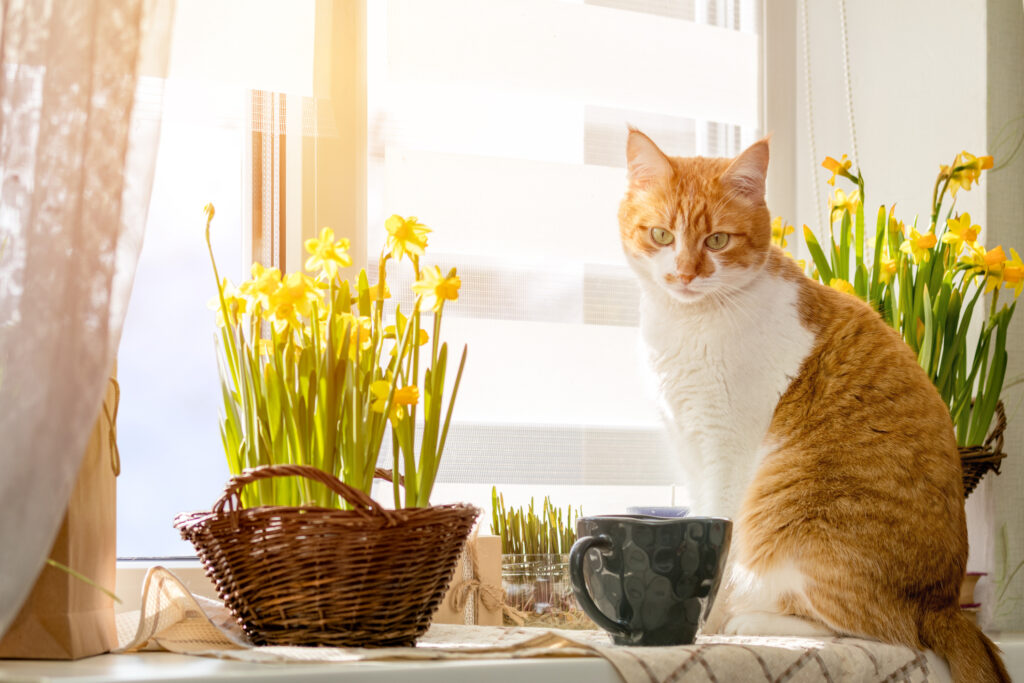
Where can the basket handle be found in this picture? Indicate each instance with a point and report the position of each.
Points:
(232, 492)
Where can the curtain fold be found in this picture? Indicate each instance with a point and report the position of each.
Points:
(76, 167)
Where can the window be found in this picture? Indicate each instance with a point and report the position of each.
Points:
(504, 131)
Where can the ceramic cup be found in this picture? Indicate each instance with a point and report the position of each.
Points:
(649, 580)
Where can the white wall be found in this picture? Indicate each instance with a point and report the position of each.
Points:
(1005, 50)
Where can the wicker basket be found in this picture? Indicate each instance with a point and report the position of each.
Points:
(312, 576)
(978, 460)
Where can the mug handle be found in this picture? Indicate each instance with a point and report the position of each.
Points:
(579, 584)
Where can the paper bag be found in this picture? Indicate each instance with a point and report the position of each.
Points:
(64, 617)
(475, 594)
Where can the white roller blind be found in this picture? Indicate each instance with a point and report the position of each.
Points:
(502, 125)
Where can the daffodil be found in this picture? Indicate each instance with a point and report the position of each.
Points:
(264, 283)
(236, 303)
(406, 236)
(292, 299)
(995, 260)
(327, 255)
(843, 202)
(842, 285)
(887, 270)
(841, 167)
(961, 232)
(779, 231)
(390, 333)
(966, 169)
(378, 292)
(436, 289)
(918, 246)
(1013, 273)
(404, 396)
(360, 332)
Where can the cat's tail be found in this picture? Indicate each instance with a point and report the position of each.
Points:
(971, 655)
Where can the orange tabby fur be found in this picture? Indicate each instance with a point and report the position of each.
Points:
(859, 488)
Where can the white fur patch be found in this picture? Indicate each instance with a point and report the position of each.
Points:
(762, 592)
(722, 355)
(767, 624)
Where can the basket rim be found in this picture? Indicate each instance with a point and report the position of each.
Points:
(190, 520)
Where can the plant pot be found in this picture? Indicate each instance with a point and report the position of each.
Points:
(368, 576)
(977, 461)
(967, 589)
(538, 592)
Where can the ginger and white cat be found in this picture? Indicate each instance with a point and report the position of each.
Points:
(807, 417)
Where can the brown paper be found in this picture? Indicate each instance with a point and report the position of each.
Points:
(478, 596)
(64, 617)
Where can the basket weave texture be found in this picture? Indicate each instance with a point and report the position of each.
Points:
(976, 461)
(369, 576)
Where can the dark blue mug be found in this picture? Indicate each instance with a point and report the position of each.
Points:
(649, 580)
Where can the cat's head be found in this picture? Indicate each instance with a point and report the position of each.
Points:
(696, 227)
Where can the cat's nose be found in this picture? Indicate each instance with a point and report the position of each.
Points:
(686, 279)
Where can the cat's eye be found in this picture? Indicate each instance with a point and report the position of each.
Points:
(662, 236)
(717, 240)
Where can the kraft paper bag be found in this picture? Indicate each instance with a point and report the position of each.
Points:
(475, 595)
(64, 617)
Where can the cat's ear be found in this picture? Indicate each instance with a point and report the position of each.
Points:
(644, 161)
(747, 172)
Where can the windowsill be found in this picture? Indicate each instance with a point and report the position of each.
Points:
(148, 667)
(164, 666)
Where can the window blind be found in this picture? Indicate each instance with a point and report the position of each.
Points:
(502, 125)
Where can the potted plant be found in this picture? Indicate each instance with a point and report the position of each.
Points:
(927, 284)
(315, 374)
(535, 564)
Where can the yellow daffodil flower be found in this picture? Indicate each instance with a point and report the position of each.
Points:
(436, 289)
(960, 232)
(842, 286)
(995, 260)
(966, 169)
(390, 333)
(405, 396)
(779, 231)
(918, 246)
(233, 299)
(406, 236)
(887, 270)
(1013, 273)
(264, 282)
(292, 299)
(843, 202)
(377, 295)
(360, 331)
(327, 255)
(841, 167)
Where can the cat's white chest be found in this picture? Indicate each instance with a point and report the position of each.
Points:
(720, 371)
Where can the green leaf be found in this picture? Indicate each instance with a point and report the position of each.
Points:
(818, 256)
(843, 266)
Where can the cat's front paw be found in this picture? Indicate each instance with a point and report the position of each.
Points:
(768, 624)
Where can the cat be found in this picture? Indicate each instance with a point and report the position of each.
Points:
(804, 417)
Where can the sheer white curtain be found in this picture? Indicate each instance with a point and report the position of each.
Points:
(76, 163)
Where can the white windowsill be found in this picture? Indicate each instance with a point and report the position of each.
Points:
(167, 667)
